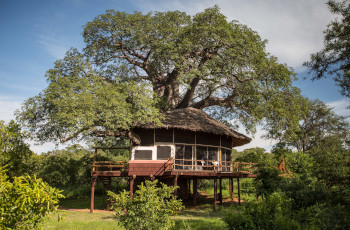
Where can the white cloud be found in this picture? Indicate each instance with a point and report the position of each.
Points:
(42, 148)
(340, 107)
(8, 105)
(294, 29)
(257, 141)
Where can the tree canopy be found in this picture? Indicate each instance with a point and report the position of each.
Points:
(317, 123)
(137, 65)
(334, 59)
(14, 152)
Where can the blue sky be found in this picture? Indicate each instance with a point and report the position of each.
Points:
(35, 33)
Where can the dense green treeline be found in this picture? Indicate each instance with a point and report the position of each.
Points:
(314, 194)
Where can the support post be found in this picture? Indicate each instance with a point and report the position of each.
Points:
(220, 197)
(103, 194)
(109, 189)
(131, 183)
(92, 201)
(194, 192)
(239, 191)
(231, 188)
(175, 185)
(189, 188)
(215, 192)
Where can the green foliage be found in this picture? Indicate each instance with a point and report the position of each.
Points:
(267, 181)
(25, 202)
(273, 213)
(331, 162)
(134, 65)
(71, 167)
(318, 122)
(299, 163)
(334, 59)
(14, 153)
(150, 207)
(67, 167)
(80, 102)
(255, 155)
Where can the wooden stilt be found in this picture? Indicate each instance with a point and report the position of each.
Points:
(194, 192)
(175, 185)
(103, 196)
(92, 201)
(109, 189)
(239, 191)
(231, 188)
(189, 188)
(215, 192)
(131, 183)
(220, 197)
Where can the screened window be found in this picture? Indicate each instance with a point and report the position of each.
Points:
(163, 152)
(143, 154)
(207, 157)
(226, 159)
(183, 157)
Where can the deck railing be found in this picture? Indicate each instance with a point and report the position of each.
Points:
(211, 166)
(109, 166)
(181, 165)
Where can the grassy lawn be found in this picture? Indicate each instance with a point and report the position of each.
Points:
(81, 221)
(203, 217)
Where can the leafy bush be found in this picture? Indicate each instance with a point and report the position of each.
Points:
(330, 217)
(267, 181)
(150, 207)
(25, 202)
(274, 212)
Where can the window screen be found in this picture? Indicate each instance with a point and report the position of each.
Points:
(163, 152)
(143, 154)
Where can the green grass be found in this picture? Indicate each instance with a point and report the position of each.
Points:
(203, 217)
(81, 221)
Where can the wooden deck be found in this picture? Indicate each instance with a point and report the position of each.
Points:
(174, 167)
(175, 170)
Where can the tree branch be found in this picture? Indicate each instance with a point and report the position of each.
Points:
(74, 135)
(211, 101)
(130, 134)
(189, 94)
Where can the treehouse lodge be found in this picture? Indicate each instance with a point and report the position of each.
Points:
(190, 145)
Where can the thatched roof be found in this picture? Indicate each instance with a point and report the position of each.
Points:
(196, 120)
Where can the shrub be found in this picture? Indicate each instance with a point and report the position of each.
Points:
(274, 212)
(25, 202)
(150, 207)
(324, 216)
